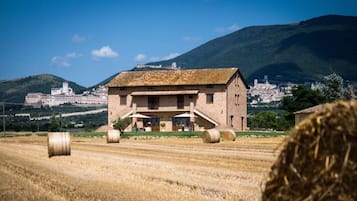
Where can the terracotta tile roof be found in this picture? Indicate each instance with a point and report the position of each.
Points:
(309, 110)
(173, 77)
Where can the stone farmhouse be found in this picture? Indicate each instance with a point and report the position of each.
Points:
(179, 100)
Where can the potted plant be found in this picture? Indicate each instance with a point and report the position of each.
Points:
(162, 124)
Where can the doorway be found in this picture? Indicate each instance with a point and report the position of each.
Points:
(153, 122)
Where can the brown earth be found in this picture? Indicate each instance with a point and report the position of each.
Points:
(157, 170)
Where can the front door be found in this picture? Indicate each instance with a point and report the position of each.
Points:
(155, 124)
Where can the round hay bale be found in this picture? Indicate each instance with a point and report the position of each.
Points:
(319, 160)
(228, 135)
(58, 143)
(113, 136)
(211, 136)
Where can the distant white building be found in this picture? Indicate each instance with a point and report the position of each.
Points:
(65, 95)
(266, 92)
(65, 90)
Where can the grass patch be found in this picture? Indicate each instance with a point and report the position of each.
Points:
(14, 134)
(89, 134)
(137, 134)
(162, 134)
(261, 133)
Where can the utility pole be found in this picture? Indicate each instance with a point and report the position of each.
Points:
(3, 118)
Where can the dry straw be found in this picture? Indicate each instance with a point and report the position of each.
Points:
(319, 160)
(211, 136)
(113, 136)
(228, 135)
(58, 143)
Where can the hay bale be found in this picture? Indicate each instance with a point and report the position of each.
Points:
(58, 143)
(228, 135)
(211, 136)
(113, 136)
(319, 160)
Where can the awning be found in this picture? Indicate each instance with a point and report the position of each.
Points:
(184, 115)
(206, 117)
(137, 115)
(162, 93)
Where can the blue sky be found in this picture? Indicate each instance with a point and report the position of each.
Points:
(86, 41)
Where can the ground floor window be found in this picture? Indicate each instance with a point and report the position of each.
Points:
(180, 124)
(153, 122)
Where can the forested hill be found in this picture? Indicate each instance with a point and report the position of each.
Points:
(296, 52)
(15, 90)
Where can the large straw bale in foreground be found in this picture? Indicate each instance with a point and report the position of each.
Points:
(211, 136)
(58, 143)
(113, 136)
(319, 160)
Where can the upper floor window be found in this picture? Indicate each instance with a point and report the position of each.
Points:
(153, 102)
(209, 98)
(180, 101)
(236, 99)
(122, 99)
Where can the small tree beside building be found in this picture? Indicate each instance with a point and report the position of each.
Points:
(121, 124)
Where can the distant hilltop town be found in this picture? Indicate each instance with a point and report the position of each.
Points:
(173, 66)
(267, 93)
(66, 95)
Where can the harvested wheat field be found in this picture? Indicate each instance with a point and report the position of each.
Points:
(157, 170)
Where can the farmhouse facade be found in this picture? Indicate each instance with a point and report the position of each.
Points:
(172, 100)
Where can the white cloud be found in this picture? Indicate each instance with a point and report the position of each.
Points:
(231, 28)
(78, 39)
(140, 57)
(64, 60)
(104, 52)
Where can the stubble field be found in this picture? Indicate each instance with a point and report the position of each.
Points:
(152, 170)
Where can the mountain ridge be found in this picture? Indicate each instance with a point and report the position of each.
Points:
(296, 52)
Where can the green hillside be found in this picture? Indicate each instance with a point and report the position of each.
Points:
(16, 90)
(298, 52)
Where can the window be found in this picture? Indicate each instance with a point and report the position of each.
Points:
(122, 99)
(209, 98)
(153, 102)
(236, 99)
(180, 101)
